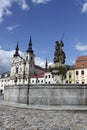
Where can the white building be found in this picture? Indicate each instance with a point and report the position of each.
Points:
(4, 81)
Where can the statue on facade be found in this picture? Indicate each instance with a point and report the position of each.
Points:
(59, 55)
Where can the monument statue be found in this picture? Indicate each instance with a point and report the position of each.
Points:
(58, 69)
(59, 55)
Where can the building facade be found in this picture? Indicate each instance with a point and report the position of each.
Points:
(80, 70)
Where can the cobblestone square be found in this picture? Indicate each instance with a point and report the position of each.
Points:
(12, 118)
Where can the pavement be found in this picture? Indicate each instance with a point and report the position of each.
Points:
(45, 107)
(13, 117)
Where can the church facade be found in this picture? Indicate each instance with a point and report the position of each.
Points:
(22, 69)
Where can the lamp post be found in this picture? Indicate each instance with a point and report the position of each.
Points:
(28, 88)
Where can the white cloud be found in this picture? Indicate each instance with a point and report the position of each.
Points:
(5, 6)
(0, 46)
(6, 59)
(81, 47)
(11, 28)
(84, 7)
(41, 62)
(23, 4)
(40, 1)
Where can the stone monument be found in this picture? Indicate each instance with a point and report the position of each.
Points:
(58, 69)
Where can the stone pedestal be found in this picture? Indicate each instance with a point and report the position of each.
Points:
(58, 71)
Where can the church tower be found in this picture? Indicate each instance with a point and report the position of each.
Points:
(16, 74)
(29, 59)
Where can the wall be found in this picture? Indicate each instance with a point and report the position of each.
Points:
(47, 94)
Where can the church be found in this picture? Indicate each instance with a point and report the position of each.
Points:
(22, 69)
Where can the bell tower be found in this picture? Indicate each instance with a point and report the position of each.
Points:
(29, 58)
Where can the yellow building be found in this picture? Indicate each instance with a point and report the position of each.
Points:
(70, 78)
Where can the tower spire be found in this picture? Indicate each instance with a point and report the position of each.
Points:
(16, 51)
(46, 65)
(30, 46)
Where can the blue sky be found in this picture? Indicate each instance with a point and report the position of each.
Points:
(46, 21)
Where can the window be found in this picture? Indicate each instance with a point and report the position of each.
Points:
(70, 76)
(82, 72)
(31, 58)
(45, 76)
(41, 81)
(16, 70)
(66, 81)
(49, 76)
(20, 69)
(82, 82)
(32, 81)
(77, 82)
(26, 57)
(70, 82)
(77, 73)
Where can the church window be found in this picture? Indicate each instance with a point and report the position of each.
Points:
(26, 57)
(20, 69)
(31, 58)
(16, 70)
(15, 79)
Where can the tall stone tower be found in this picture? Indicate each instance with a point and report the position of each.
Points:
(29, 60)
(17, 68)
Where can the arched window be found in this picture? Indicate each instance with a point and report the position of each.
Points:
(16, 70)
(26, 57)
(70, 75)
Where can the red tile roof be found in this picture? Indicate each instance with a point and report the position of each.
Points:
(81, 62)
(41, 75)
